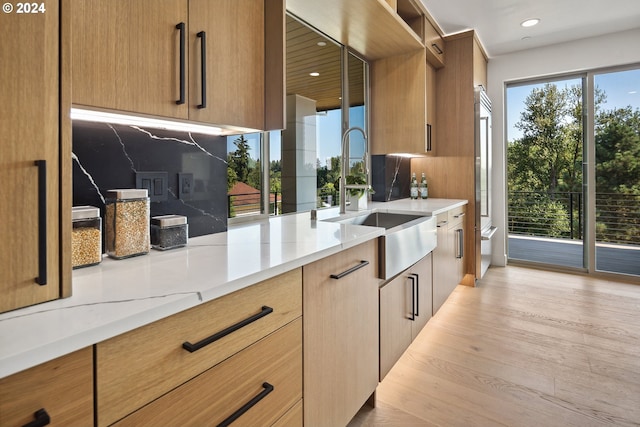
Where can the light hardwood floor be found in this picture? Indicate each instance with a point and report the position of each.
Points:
(525, 348)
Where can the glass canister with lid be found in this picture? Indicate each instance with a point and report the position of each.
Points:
(86, 236)
(169, 231)
(127, 223)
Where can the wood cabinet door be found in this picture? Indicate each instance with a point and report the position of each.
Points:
(422, 272)
(398, 104)
(63, 388)
(442, 264)
(395, 321)
(432, 140)
(233, 90)
(29, 125)
(340, 335)
(126, 55)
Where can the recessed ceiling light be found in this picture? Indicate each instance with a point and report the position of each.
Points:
(530, 22)
(322, 43)
(314, 74)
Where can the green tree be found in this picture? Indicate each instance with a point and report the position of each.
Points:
(238, 160)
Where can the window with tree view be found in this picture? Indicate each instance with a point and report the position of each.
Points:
(551, 200)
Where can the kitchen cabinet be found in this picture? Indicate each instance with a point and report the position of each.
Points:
(432, 140)
(451, 174)
(340, 300)
(135, 368)
(448, 257)
(434, 43)
(405, 308)
(61, 390)
(398, 104)
(35, 160)
(180, 59)
(267, 377)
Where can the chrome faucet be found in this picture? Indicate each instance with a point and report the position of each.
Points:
(345, 165)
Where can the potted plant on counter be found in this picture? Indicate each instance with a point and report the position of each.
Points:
(358, 191)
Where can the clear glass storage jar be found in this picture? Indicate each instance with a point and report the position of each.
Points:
(86, 236)
(169, 231)
(127, 223)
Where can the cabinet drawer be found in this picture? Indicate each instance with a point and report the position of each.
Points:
(62, 387)
(456, 215)
(293, 417)
(139, 366)
(217, 394)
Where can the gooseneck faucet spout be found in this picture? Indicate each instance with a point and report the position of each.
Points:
(345, 164)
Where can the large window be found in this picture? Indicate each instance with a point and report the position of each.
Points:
(573, 150)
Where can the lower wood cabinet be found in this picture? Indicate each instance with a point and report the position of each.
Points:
(60, 390)
(448, 257)
(137, 367)
(405, 308)
(255, 387)
(340, 299)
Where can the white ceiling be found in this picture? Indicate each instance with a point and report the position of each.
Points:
(497, 22)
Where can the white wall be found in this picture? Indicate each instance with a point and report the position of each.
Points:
(587, 54)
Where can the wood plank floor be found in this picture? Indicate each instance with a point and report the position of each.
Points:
(524, 348)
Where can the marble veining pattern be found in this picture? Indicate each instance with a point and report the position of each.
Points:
(107, 156)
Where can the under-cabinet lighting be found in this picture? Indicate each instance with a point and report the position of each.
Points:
(314, 74)
(530, 22)
(407, 155)
(129, 120)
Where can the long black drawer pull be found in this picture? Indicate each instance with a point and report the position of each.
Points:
(42, 222)
(437, 48)
(223, 333)
(412, 316)
(349, 271)
(181, 27)
(417, 306)
(268, 388)
(42, 419)
(203, 67)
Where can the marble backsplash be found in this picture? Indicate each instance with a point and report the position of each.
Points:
(108, 156)
(390, 177)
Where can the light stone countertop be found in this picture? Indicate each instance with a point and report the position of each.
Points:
(117, 296)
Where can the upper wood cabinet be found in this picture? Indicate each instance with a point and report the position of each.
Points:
(434, 44)
(35, 159)
(187, 59)
(398, 104)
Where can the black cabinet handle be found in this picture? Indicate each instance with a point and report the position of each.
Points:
(412, 316)
(268, 388)
(349, 271)
(181, 27)
(437, 48)
(41, 419)
(428, 137)
(417, 299)
(203, 67)
(42, 222)
(223, 333)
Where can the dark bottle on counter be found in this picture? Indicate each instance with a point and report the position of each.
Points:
(414, 186)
